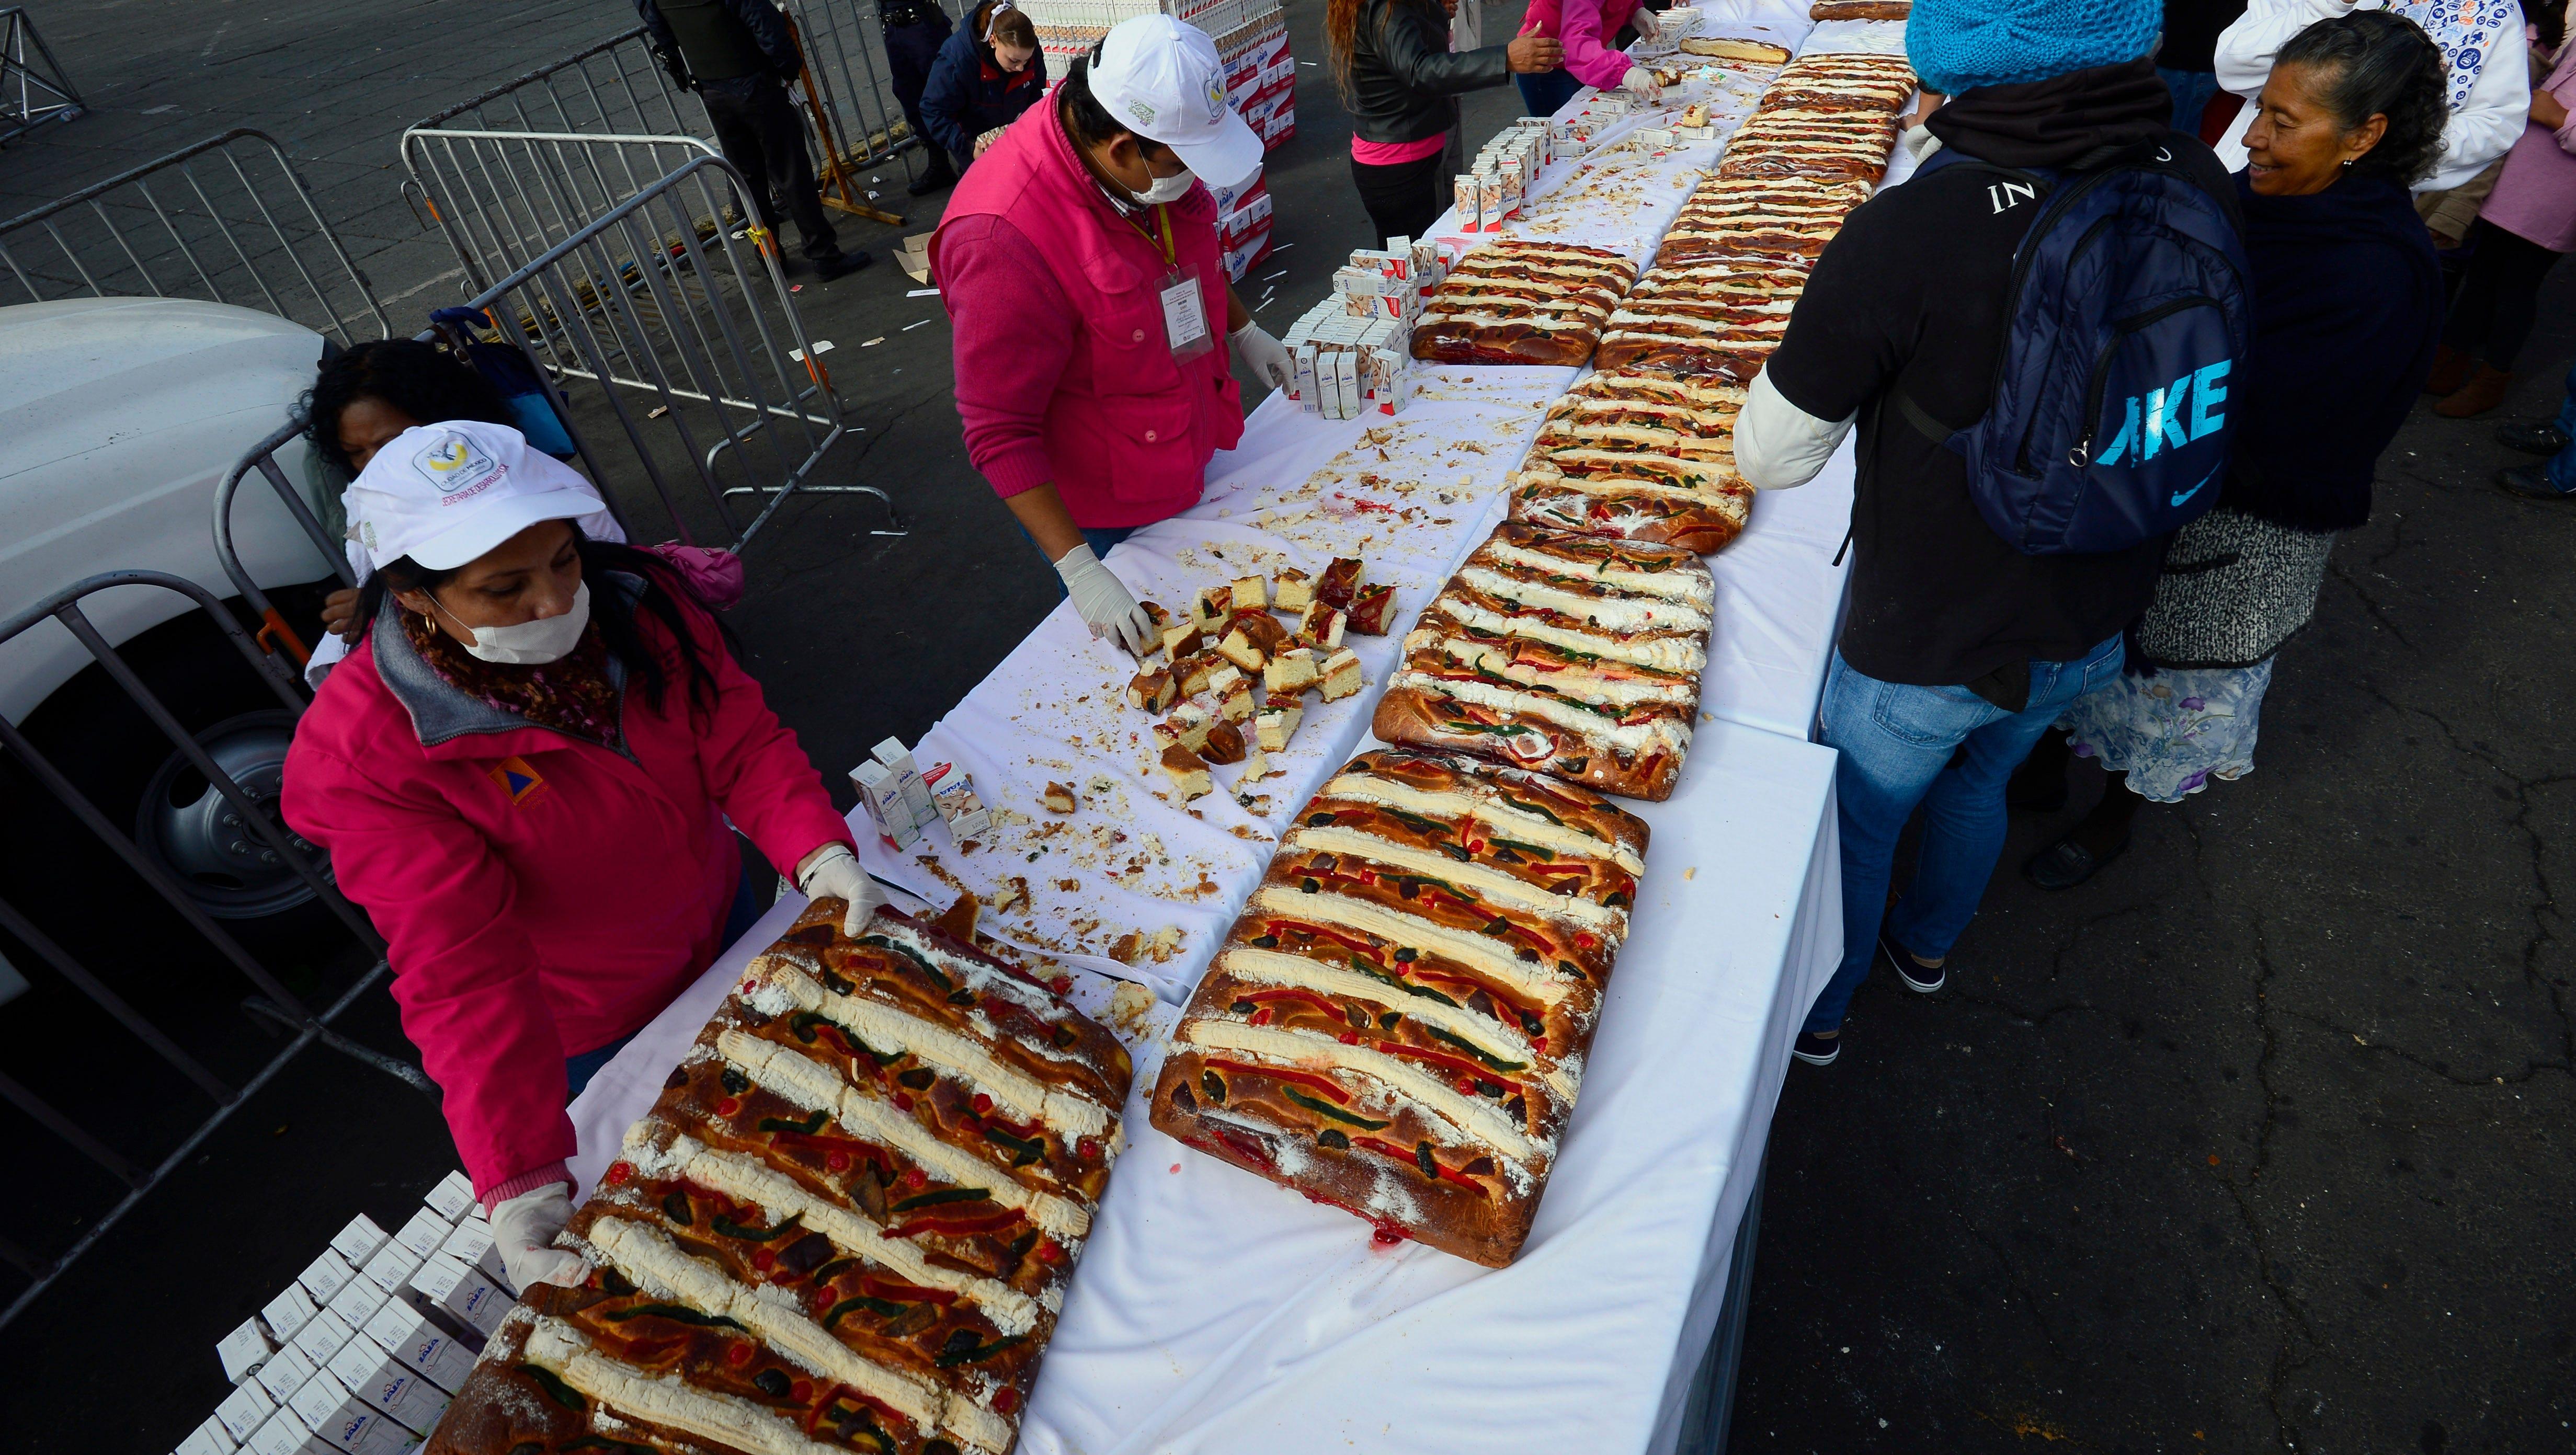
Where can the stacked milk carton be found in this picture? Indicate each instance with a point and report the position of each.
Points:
(1354, 350)
(1492, 191)
(360, 1354)
(906, 800)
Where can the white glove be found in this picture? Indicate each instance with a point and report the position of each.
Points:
(834, 873)
(1640, 82)
(1267, 357)
(1644, 22)
(1103, 600)
(524, 1229)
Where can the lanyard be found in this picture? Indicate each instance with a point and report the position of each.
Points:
(1163, 219)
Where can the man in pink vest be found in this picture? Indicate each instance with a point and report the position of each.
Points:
(1079, 262)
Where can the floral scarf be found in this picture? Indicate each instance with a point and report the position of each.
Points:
(572, 695)
(2467, 32)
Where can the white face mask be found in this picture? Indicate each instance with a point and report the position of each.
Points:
(530, 643)
(1167, 189)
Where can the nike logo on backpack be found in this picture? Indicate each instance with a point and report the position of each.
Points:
(2195, 490)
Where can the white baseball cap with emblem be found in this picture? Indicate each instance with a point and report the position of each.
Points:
(444, 494)
(1162, 79)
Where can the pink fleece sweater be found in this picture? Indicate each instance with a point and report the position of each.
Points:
(1584, 27)
(2535, 195)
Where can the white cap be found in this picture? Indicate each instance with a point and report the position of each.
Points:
(1162, 79)
(444, 494)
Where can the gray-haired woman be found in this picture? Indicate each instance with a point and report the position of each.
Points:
(2347, 304)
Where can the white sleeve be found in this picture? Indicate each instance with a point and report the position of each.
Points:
(1779, 445)
(2243, 58)
(2487, 124)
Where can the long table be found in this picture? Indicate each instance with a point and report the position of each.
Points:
(1213, 1311)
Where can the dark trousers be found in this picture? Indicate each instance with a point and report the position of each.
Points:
(1546, 92)
(910, 52)
(2499, 295)
(1403, 200)
(759, 132)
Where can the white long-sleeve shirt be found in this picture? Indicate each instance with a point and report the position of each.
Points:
(2481, 129)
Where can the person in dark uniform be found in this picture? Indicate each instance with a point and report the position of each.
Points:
(914, 32)
(737, 55)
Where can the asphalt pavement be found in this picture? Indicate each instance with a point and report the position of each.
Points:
(2260, 1141)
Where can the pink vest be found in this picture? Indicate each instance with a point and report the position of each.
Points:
(1129, 427)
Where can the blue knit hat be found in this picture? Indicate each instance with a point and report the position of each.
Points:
(1957, 45)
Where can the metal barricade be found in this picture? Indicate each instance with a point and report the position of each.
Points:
(33, 87)
(273, 1001)
(850, 86)
(653, 297)
(226, 220)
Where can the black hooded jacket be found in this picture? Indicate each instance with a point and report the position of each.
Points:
(1910, 296)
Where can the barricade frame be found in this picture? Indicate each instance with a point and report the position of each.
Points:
(273, 1001)
(94, 267)
(21, 78)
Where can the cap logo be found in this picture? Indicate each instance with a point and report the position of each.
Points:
(1216, 98)
(457, 469)
(1143, 113)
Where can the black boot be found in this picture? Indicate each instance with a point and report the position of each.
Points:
(941, 176)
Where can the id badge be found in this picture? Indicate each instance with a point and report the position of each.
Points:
(1185, 315)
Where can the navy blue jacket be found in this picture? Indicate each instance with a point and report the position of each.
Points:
(969, 93)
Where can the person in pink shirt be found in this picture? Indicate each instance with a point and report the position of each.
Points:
(1079, 265)
(1589, 30)
(2525, 226)
(523, 772)
(1393, 66)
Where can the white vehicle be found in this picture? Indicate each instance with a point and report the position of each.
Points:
(118, 420)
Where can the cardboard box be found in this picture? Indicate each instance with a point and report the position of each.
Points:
(461, 1291)
(347, 1422)
(421, 1236)
(287, 1312)
(471, 1244)
(285, 1433)
(284, 1373)
(325, 1276)
(1468, 197)
(453, 1197)
(243, 1350)
(882, 794)
(953, 789)
(358, 1241)
(395, 1262)
(388, 1384)
(321, 1337)
(914, 258)
(209, 1438)
(405, 1333)
(916, 794)
(358, 1302)
(245, 1410)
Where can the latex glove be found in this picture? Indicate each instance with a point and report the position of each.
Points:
(1104, 600)
(1646, 23)
(1267, 357)
(524, 1229)
(834, 873)
(1919, 142)
(1640, 82)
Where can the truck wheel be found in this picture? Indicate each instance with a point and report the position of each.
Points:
(191, 830)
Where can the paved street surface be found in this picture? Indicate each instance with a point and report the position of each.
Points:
(2261, 1141)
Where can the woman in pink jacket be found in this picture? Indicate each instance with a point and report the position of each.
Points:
(1589, 30)
(1079, 263)
(523, 772)
(2524, 227)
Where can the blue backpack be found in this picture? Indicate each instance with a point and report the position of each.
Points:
(2127, 309)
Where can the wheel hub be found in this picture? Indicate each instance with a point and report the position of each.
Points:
(187, 827)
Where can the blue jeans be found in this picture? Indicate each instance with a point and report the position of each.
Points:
(1897, 744)
(1100, 539)
(746, 912)
(1544, 91)
(2191, 92)
(2561, 467)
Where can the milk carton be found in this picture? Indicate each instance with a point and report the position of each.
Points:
(453, 1197)
(388, 1384)
(916, 794)
(347, 1422)
(882, 792)
(401, 1331)
(243, 1350)
(245, 1410)
(463, 1292)
(321, 1337)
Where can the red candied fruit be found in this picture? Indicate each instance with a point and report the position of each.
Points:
(801, 1391)
(619, 1173)
(983, 1103)
(912, 1177)
(1006, 1399)
(1467, 1084)
(739, 1353)
(1049, 1252)
(1350, 1038)
(1060, 984)
(902, 1102)
(728, 1106)
(763, 1259)
(1088, 1148)
(837, 1161)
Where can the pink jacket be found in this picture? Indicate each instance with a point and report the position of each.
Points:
(2535, 195)
(1584, 27)
(541, 895)
(1064, 371)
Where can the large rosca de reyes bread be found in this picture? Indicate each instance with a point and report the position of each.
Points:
(1397, 1023)
(846, 1225)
